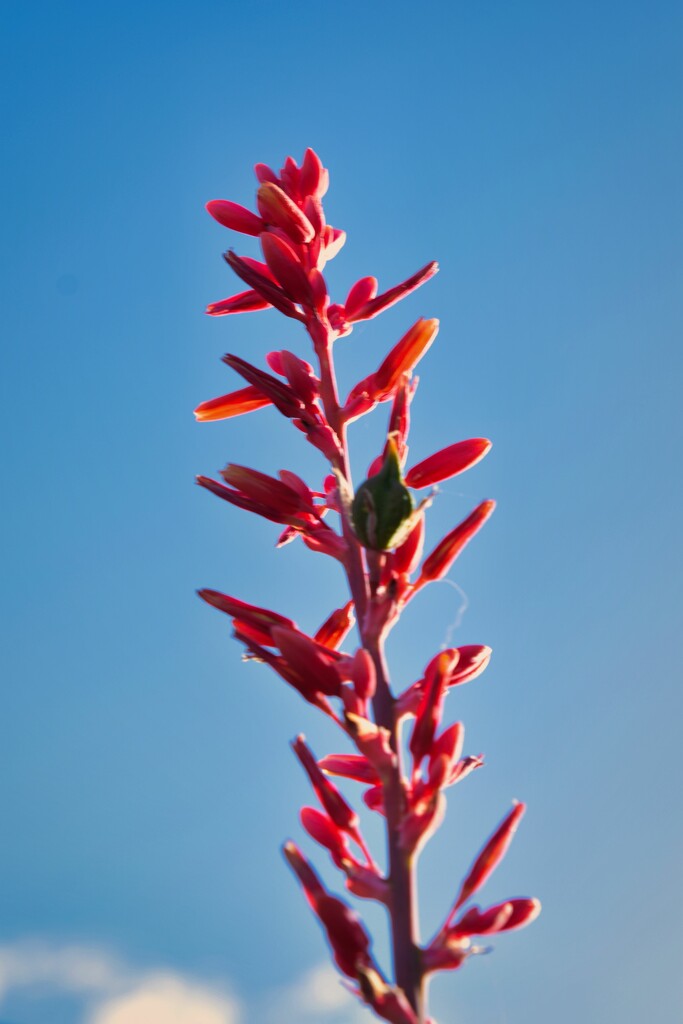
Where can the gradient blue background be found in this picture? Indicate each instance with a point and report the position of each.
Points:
(535, 150)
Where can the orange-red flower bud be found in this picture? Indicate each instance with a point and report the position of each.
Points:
(277, 208)
(491, 855)
(232, 215)
(404, 356)
(448, 462)
(285, 265)
(244, 302)
(234, 404)
(445, 553)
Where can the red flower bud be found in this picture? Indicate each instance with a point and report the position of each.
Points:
(491, 856)
(445, 553)
(262, 284)
(363, 674)
(407, 556)
(277, 208)
(336, 626)
(311, 176)
(280, 394)
(395, 294)
(235, 404)
(231, 215)
(343, 816)
(244, 302)
(360, 293)
(285, 265)
(404, 356)
(448, 462)
(309, 659)
(429, 711)
(251, 613)
(350, 766)
(472, 661)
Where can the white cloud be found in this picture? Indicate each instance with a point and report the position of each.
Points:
(317, 996)
(167, 999)
(113, 992)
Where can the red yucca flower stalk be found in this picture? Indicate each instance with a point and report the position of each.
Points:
(376, 533)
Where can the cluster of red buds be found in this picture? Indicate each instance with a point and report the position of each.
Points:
(376, 532)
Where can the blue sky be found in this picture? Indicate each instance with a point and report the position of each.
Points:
(535, 150)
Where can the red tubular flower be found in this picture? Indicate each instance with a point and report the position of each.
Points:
(336, 627)
(266, 489)
(231, 215)
(343, 816)
(281, 395)
(448, 462)
(403, 357)
(491, 856)
(429, 711)
(252, 613)
(378, 304)
(235, 404)
(321, 828)
(262, 284)
(285, 265)
(244, 302)
(277, 208)
(312, 175)
(503, 917)
(308, 658)
(363, 674)
(472, 661)
(445, 553)
(350, 766)
(359, 295)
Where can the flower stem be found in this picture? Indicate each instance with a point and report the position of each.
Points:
(402, 881)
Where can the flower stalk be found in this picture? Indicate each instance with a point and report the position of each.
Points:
(376, 533)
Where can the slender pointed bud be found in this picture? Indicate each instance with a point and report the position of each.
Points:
(277, 208)
(350, 766)
(310, 883)
(334, 241)
(429, 712)
(313, 209)
(473, 660)
(236, 217)
(503, 917)
(244, 302)
(343, 816)
(399, 419)
(280, 394)
(265, 173)
(381, 302)
(318, 290)
(382, 506)
(349, 941)
(323, 830)
(449, 744)
(309, 659)
(407, 556)
(404, 356)
(445, 553)
(250, 613)
(359, 294)
(301, 378)
(265, 489)
(363, 674)
(491, 855)
(311, 173)
(235, 404)
(336, 627)
(448, 462)
(284, 264)
(262, 283)
(289, 177)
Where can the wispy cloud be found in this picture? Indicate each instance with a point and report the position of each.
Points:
(114, 992)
